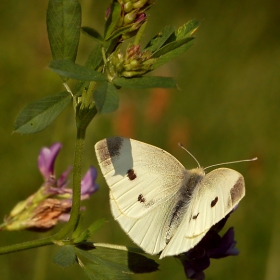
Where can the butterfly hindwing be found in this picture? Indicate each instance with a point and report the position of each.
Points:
(148, 231)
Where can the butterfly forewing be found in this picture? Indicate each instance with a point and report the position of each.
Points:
(216, 195)
(140, 176)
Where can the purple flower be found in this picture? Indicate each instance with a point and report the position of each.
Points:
(88, 185)
(211, 246)
(47, 158)
(53, 201)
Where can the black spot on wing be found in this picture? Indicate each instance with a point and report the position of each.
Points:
(131, 175)
(214, 202)
(195, 216)
(141, 198)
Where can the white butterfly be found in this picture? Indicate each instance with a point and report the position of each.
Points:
(162, 206)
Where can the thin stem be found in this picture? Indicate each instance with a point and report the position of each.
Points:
(26, 245)
(104, 55)
(77, 176)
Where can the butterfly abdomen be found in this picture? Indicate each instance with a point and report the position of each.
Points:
(184, 196)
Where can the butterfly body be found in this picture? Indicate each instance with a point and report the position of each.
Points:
(161, 205)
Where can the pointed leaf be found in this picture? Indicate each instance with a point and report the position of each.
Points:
(172, 54)
(82, 237)
(106, 98)
(63, 24)
(72, 70)
(66, 256)
(183, 32)
(41, 113)
(146, 82)
(119, 32)
(171, 46)
(96, 225)
(160, 39)
(92, 33)
(187, 29)
(113, 19)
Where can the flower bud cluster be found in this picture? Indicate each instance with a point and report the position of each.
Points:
(130, 64)
(132, 16)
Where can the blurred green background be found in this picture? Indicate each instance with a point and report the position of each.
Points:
(227, 108)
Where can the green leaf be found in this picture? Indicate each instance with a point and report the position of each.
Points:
(187, 29)
(93, 34)
(96, 225)
(172, 54)
(72, 70)
(101, 272)
(95, 58)
(119, 32)
(41, 113)
(93, 62)
(115, 263)
(82, 237)
(63, 25)
(160, 39)
(66, 256)
(171, 46)
(177, 43)
(106, 98)
(113, 19)
(146, 82)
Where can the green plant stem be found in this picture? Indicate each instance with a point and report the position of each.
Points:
(77, 176)
(26, 245)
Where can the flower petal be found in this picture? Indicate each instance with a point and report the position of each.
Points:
(88, 185)
(227, 246)
(62, 180)
(64, 217)
(47, 158)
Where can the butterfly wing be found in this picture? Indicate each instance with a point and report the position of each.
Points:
(148, 231)
(143, 182)
(140, 176)
(213, 198)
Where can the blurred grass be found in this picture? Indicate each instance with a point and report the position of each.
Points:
(227, 109)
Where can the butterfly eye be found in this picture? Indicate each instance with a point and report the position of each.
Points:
(213, 202)
(131, 175)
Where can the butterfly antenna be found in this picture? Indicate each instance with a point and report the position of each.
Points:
(180, 145)
(230, 162)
